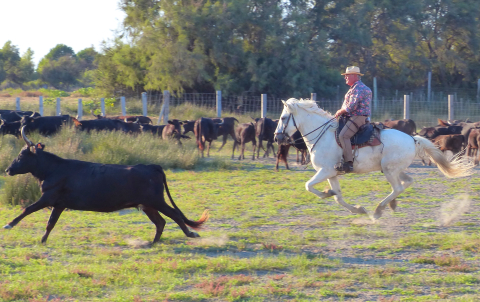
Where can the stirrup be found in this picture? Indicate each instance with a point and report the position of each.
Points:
(344, 167)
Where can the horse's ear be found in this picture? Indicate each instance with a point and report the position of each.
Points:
(285, 103)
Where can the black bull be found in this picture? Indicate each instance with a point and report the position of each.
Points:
(85, 186)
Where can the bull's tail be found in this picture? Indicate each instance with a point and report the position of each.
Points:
(196, 225)
(198, 135)
(457, 167)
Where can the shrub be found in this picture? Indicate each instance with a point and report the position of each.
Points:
(22, 190)
(54, 93)
(30, 94)
(84, 92)
(5, 95)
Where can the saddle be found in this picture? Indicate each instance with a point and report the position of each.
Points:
(367, 135)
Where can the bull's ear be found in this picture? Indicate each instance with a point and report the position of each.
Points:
(170, 122)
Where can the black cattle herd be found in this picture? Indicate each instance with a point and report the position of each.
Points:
(79, 185)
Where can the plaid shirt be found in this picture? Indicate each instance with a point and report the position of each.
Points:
(357, 100)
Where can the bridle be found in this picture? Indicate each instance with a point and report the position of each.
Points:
(291, 141)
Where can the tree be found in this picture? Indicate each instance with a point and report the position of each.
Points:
(59, 67)
(10, 57)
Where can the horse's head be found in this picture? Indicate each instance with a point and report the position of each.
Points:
(286, 125)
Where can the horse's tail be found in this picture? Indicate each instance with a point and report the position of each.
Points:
(457, 167)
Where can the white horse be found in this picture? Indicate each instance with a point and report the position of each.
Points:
(392, 157)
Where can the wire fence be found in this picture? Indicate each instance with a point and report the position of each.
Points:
(423, 110)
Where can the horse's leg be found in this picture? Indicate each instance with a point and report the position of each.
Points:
(396, 180)
(406, 182)
(335, 185)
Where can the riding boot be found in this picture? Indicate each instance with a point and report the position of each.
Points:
(346, 167)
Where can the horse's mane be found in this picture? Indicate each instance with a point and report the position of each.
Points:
(310, 106)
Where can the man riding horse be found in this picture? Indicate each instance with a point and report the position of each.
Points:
(356, 109)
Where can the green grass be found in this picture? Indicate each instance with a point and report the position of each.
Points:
(267, 239)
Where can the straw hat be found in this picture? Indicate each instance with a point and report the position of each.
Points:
(352, 70)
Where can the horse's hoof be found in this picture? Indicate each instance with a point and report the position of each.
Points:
(393, 204)
(330, 193)
(194, 235)
(359, 210)
(7, 227)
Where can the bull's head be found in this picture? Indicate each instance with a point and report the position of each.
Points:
(286, 126)
(27, 159)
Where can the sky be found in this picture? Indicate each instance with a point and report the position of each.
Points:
(42, 24)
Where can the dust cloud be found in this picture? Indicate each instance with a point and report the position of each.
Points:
(452, 210)
(209, 241)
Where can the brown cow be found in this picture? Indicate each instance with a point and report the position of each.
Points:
(244, 133)
(406, 125)
(473, 143)
(451, 142)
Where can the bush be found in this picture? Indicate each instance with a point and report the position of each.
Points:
(22, 190)
(30, 94)
(84, 92)
(53, 93)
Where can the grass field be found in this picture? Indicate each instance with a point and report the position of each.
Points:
(267, 239)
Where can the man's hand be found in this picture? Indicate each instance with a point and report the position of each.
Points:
(340, 112)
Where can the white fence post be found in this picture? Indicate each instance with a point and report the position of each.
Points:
(451, 99)
(264, 106)
(219, 103)
(122, 102)
(17, 103)
(375, 94)
(80, 110)
(57, 111)
(406, 106)
(144, 103)
(313, 96)
(164, 112)
(40, 105)
(102, 106)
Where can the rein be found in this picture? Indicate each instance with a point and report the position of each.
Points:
(319, 136)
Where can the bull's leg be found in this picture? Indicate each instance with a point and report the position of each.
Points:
(254, 146)
(233, 150)
(242, 151)
(335, 185)
(271, 147)
(297, 156)
(175, 216)
(208, 149)
(43, 202)
(260, 145)
(225, 136)
(56, 212)
(157, 220)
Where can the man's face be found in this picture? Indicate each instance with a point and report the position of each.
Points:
(350, 79)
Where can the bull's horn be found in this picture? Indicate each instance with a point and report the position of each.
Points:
(29, 142)
(125, 120)
(33, 114)
(18, 114)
